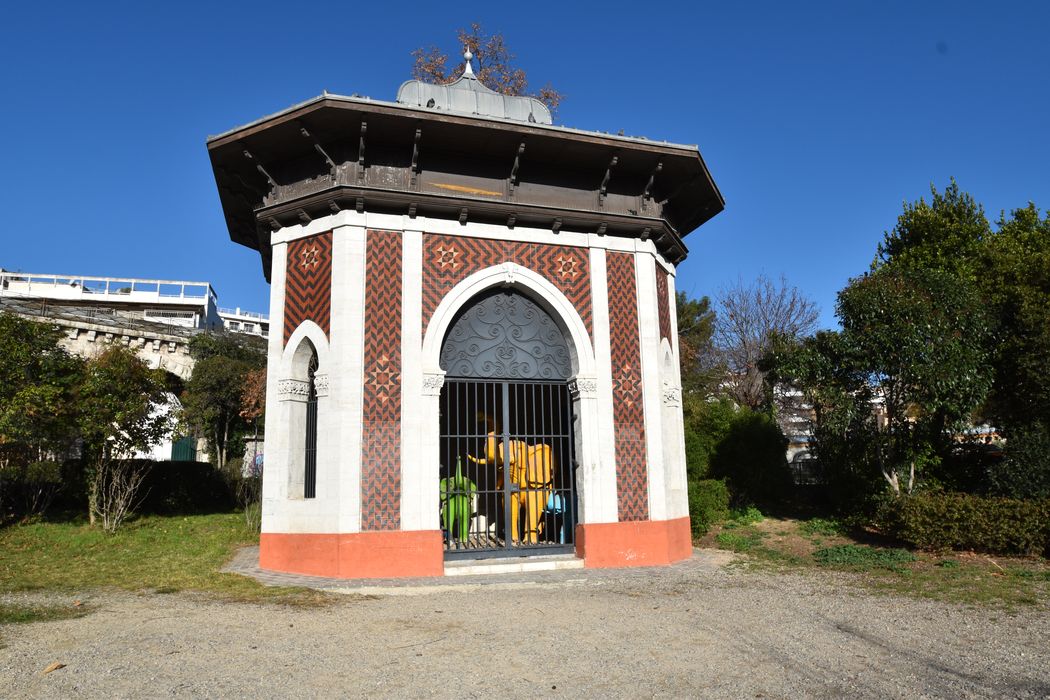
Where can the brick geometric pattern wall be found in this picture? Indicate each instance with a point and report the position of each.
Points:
(447, 260)
(308, 283)
(662, 305)
(632, 477)
(381, 416)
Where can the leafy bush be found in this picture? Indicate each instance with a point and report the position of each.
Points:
(745, 516)
(706, 424)
(1025, 472)
(28, 489)
(936, 520)
(184, 488)
(859, 556)
(751, 458)
(708, 504)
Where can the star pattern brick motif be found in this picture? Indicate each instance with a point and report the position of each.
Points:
(627, 385)
(381, 406)
(446, 257)
(447, 260)
(384, 379)
(567, 267)
(308, 286)
(310, 257)
(632, 473)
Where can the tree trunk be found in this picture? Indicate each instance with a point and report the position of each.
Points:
(225, 438)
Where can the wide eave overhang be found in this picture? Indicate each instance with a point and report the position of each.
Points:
(333, 153)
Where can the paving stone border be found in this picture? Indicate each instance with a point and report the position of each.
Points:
(246, 563)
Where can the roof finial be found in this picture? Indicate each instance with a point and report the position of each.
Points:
(468, 70)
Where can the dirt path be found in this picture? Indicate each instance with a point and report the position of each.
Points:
(689, 631)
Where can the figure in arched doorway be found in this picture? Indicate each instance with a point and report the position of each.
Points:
(531, 478)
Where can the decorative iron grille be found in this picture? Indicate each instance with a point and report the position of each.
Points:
(505, 335)
(507, 467)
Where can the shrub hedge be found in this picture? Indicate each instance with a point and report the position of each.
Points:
(169, 488)
(176, 488)
(708, 504)
(940, 520)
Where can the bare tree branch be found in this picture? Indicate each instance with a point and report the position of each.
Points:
(751, 318)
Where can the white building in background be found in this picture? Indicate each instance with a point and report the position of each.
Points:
(155, 318)
(180, 303)
(249, 322)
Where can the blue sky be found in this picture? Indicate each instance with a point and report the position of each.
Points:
(817, 119)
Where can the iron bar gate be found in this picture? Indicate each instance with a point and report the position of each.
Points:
(507, 467)
(310, 466)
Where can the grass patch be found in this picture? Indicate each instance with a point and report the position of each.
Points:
(169, 554)
(973, 580)
(819, 545)
(20, 614)
(862, 557)
(738, 541)
(821, 526)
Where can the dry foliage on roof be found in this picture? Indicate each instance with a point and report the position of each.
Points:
(495, 66)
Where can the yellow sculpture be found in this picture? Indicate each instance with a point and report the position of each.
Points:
(530, 471)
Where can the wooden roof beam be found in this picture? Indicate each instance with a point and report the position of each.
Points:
(605, 180)
(317, 147)
(514, 169)
(260, 168)
(415, 155)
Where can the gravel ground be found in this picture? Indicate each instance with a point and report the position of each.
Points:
(688, 631)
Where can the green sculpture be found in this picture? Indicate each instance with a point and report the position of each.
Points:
(456, 496)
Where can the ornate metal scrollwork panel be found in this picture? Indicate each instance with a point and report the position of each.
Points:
(505, 335)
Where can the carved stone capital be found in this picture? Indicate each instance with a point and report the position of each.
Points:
(432, 383)
(293, 390)
(584, 387)
(321, 384)
(672, 395)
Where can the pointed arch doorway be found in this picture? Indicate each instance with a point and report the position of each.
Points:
(507, 449)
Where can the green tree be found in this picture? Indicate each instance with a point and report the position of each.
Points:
(699, 367)
(37, 377)
(945, 234)
(834, 384)
(38, 413)
(1011, 269)
(1015, 284)
(212, 402)
(123, 408)
(918, 337)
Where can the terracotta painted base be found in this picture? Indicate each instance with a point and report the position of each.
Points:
(646, 543)
(358, 555)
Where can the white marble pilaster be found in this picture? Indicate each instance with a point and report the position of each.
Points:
(598, 496)
(275, 458)
(348, 304)
(652, 404)
(676, 481)
(419, 481)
